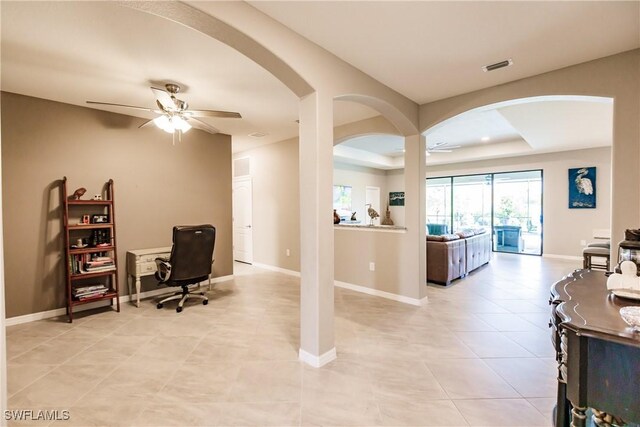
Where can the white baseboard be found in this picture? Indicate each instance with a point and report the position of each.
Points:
(317, 361)
(278, 269)
(350, 286)
(567, 257)
(123, 299)
(383, 294)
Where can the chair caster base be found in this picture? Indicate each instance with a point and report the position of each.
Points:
(159, 306)
(205, 302)
(178, 309)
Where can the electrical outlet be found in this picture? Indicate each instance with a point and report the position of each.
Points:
(583, 243)
(372, 266)
(288, 252)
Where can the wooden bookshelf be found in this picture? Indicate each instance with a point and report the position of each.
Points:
(79, 260)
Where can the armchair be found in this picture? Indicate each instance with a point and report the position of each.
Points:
(190, 262)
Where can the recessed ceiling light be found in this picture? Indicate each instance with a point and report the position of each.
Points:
(498, 65)
(258, 134)
(485, 139)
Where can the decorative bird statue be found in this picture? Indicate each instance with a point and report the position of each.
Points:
(78, 193)
(372, 213)
(583, 184)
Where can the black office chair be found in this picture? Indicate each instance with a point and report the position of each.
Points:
(190, 262)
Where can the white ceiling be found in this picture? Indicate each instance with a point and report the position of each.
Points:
(77, 51)
(469, 129)
(429, 50)
(515, 128)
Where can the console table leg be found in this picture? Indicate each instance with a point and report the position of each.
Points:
(138, 285)
(130, 285)
(563, 409)
(579, 417)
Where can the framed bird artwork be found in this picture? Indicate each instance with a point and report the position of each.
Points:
(582, 188)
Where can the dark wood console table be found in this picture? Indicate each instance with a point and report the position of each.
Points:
(598, 355)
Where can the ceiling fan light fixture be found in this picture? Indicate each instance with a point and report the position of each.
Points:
(485, 139)
(172, 124)
(180, 124)
(164, 123)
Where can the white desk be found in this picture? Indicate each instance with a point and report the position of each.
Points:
(140, 263)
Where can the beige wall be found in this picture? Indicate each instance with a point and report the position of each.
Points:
(564, 228)
(157, 185)
(355, 249)
(276, 201)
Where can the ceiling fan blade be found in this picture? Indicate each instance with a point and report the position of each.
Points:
(109, 104)
(164, 99)
(437, 144)
(199, 124)
(146, 124)
(213, 113)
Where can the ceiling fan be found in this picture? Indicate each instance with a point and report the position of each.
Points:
(175, 117)
(441, 147)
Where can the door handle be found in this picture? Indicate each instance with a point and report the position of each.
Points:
(248, 226)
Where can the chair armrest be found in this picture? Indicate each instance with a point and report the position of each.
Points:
(163, 269)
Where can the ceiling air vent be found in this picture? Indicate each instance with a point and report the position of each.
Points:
(258, 134)
(497, 65)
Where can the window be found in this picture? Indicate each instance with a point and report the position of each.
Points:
(439, 205)
(342, 200)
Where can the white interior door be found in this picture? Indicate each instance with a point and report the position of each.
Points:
(372, 197)
(242, 220)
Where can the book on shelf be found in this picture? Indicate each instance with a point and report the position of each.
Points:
(89, 291)
(98, 269)
(89, 288)
(89, 263)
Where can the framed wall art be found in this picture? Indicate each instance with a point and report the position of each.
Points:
(582, 188)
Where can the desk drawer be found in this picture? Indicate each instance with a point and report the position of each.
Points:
(145, 268)
(151, 257)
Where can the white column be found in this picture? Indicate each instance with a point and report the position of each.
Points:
(415, 173)
(317, 346)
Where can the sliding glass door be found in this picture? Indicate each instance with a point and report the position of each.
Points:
(507, 204)
(472, 202)
(517, 218)
(439, 206)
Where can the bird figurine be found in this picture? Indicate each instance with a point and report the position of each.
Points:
(78, 193)
(336, 217)
(372, 213)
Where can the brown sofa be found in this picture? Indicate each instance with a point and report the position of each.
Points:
(446, 258)
(450, 257)
(478, 251)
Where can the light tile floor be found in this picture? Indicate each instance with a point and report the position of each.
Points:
(479, 353)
